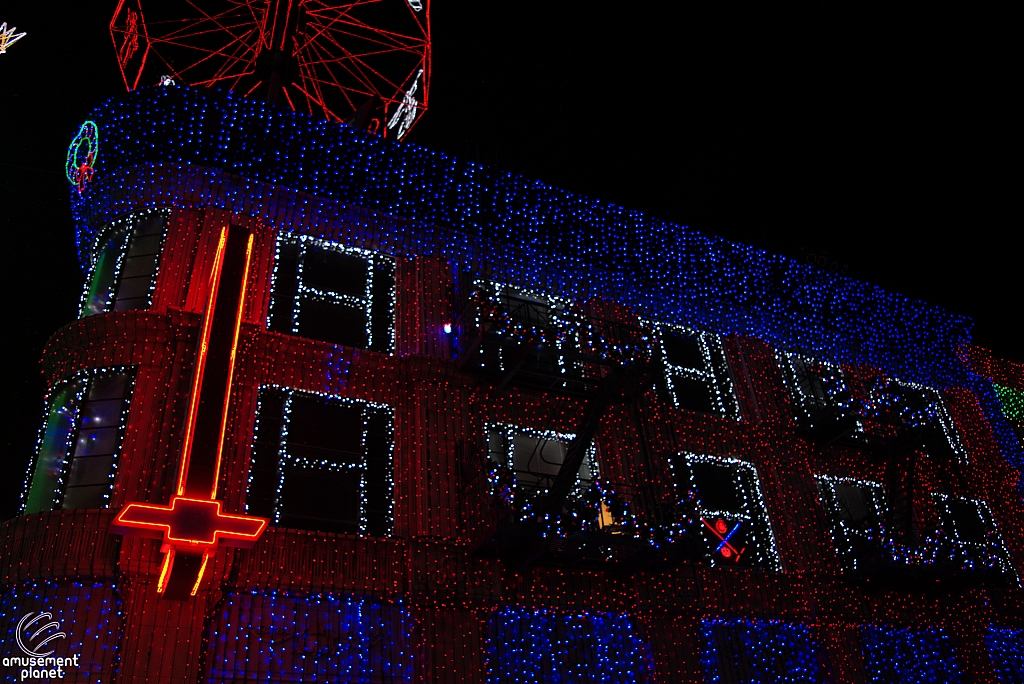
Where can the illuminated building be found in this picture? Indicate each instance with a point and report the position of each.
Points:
(499, 433)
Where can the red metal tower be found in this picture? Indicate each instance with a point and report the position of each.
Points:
(361, 62)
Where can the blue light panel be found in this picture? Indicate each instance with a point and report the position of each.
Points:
(1006, 648)
(532, 234)
(758, 652)
(275, 637)
(536, 646)
(907, 656)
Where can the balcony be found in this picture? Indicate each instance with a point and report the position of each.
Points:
(514, 338)
(879, 547)
(597, 530)
(937, 564)
(526, 521)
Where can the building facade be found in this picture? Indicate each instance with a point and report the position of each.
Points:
(341, 409)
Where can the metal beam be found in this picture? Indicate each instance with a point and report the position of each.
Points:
(609, 389)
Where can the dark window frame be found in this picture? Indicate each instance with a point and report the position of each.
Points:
(797, 375)
(272, 431)
(936, 407)
(73, 462)
(557, 324)
(753, 508)
(846, 537)
(504, 465)
(811, 399)
(714, 372)
(993, 546)
(122, 237)
(289, 290)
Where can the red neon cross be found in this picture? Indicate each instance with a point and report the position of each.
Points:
(189, 521)
(192, 524)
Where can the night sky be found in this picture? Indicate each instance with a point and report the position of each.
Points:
(881, 140)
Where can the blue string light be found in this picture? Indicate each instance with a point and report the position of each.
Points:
(758, 652)
(908, 656)
(273, 636)
(538, 646)
(89, 613)
(1006, 648)
(443, 206)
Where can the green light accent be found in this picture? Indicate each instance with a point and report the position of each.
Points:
(1012, 401)
(53, 449)
(82, 154)
(102, 284)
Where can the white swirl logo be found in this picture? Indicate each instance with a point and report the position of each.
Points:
(26, 637)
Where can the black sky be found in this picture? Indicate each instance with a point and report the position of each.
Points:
(885, 139)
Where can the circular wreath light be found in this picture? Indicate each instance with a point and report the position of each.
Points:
(82, 154)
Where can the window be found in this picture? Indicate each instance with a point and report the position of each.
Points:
(335, 294)
(968, 536)
(902, 407)
(819, 390)
(965, 538)
(81, 438)
(855, 509)
(733, 520)
(884, 413)
(524, 464)
(696, 371)
(125, 264)
(510, 329)
(322, 463)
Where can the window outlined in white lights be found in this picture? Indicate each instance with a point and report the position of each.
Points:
(915, 406)
(733, 518)
(696, 370)
(125, 260)
(525, 463)
(818, 388)
(856, 511)
(523, 321)
(322, 462)
(333, 293)
(968, 527)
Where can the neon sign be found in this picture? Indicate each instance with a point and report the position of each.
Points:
(721, 530)
(196, 522)
(192, 524)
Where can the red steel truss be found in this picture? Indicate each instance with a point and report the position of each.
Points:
(365, 62)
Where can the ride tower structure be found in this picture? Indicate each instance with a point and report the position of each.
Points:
(365, 63)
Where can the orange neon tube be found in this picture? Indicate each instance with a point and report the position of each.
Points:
(159, 518)
(231, 369)
(204, 340)
(165, 570)
(199, 577)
